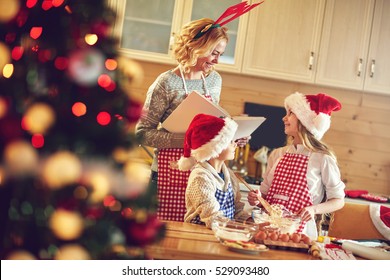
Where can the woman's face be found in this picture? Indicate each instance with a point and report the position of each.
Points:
(206, 63)
(290, 121)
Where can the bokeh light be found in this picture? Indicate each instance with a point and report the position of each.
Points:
(38, 118)
(91, 39)
(47, 5)
(79, 109)
(36, 32)
(17, 53)
(103, 118)
(61, 169)
(8, 70)
(104, 80)
(31, 3)
(111, 64)
(80, 192)
(37, 140)
(20, 157)
(72, 252)
(61, 63)
(8, 9)
(66, 225)
(57, 3)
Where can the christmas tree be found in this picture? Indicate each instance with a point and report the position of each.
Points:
(70, 186)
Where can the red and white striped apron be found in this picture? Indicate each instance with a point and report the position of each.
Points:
(289, 186)
(172, 183)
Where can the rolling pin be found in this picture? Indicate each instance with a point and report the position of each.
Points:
(365, 252)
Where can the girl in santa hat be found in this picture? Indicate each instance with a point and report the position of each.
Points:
(304, 176)
(212, 189)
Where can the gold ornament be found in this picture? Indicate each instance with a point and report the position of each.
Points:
(61, 169)
(8, 9)
(39, 118)
(137, 172)
(100, 184)
(72, 252)
(20, 158)
(20, 255)
(137, 176)
(66, 225)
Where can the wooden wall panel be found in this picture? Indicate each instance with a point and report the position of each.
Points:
(359, 134)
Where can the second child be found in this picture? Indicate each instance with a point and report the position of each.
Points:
(212, 189)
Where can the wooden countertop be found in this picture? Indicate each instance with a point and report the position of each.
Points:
(185, 241)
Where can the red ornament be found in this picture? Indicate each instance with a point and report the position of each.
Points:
(142, 233)
(94, 212)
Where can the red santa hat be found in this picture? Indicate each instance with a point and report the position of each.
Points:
(206, 137)
(380, 216)
(313, 111)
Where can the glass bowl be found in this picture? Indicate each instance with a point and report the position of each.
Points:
(225, 229)
(285, 223)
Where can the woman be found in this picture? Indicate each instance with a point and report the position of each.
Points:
(195, 72)
(197, 50)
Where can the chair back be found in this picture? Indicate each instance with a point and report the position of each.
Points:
(353, 221)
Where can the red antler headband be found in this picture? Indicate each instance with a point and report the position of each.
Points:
(229, 15)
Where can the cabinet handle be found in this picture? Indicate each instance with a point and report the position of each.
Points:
(172, 40)
(372, 68)
(311, 60)
(360, 66)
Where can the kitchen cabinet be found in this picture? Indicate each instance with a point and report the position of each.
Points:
(146, 31)
(341, 43)
(354, 45)
(377, 77)
(283, 39)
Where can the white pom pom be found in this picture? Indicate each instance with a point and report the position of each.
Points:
(185, 163)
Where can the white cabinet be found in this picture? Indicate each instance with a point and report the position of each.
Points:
(345, 42)
(283, 38)
(377, 77)
(354, 46)
(339, 43)
(146, 29)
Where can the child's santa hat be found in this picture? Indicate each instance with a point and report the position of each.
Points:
(206, 137)
(313, 111)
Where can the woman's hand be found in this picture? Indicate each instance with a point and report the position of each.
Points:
(243, 141)
(253, 197)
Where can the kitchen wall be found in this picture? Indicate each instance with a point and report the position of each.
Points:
(359, 133)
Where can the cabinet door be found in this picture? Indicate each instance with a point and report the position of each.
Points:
(344, 44)
(145, 29)
(378, 70)
(283, 39)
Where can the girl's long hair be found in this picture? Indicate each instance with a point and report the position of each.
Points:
(313, 144)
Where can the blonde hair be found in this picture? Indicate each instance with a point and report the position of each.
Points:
(313, 144)
(187, 50)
